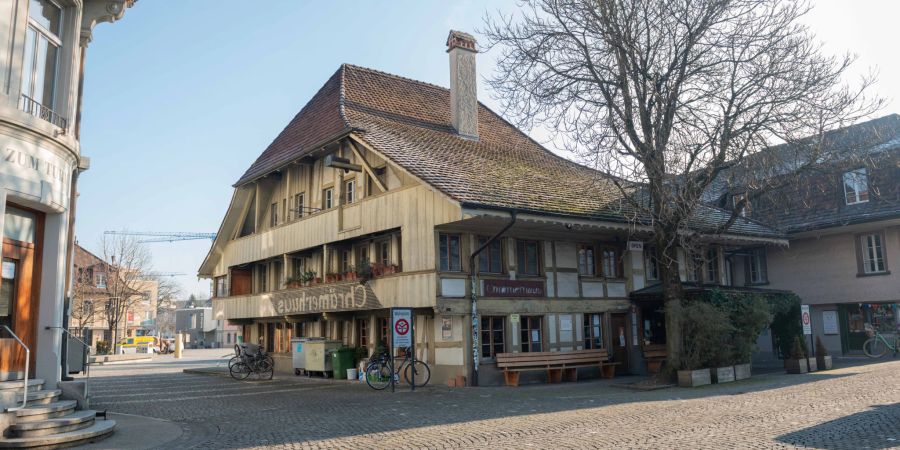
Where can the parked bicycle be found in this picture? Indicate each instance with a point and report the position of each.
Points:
(380, 370)
(878, 344)
(251, 361)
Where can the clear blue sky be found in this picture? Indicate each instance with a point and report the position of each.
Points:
(181, 96)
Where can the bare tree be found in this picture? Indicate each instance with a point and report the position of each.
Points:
(663, 96)
(168, 293)
(84, 311)
(127, 267)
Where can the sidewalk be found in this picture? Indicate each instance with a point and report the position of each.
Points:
(137, 432)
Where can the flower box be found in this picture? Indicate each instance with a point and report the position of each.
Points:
(824, 362)
(694, 378)
(742, 371)
(722, 374)
(796, 365)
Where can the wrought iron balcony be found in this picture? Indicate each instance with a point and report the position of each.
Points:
(36, 109)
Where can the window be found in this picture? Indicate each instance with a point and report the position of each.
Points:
(39, 65)
(872, 249)
(712, 265)
(263, 278)
(856, 186)
(527, 258)
(350, 191)
(8, 293)
(346, 261)
(586, 260)
(492, 336)
(609, 260)
(362, 332)
(273, 215)
(100, 280)
(328, 198)
(299, 205)
(490, 260)
(531, 334)
(593, 331)
(756, 267)
(651, 263)
(693, 267)
(384, 331)
(736, 199)
(384, 253)
(220, 287)
(449, 252)
(362, 253)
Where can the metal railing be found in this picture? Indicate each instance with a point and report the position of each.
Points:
(87, 359)
(37, 109)
(27, 364)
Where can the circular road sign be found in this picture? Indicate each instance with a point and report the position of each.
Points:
(805, 318)
(402, 327)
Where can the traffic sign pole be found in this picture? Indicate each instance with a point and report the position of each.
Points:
(806, 321)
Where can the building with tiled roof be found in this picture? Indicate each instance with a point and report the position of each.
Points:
(843, 223)
(399, 183)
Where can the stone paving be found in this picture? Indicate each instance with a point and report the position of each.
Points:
(853, 407)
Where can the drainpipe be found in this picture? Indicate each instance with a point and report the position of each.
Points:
(473, 277)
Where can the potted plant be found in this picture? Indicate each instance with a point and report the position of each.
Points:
(308, 277)
(332, 277)
(721, 370)
(363, 271)
(797, 363)
(823, 359)
(293, 282)
(704, 327)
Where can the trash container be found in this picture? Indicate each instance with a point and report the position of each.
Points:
(342, 359)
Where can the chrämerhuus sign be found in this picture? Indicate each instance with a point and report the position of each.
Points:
(325, 298)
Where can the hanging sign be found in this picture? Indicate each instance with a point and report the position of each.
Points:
(635, 246)
(804, 318)
(402, 327)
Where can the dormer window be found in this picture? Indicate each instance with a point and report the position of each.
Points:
(737, 199)
(856, 186)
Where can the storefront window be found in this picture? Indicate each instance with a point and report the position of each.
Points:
(492, 336)
(362, 332)
(593, 331)
(531, 335)
(7, 292)
(654, 325)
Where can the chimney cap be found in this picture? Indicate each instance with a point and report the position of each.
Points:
(462, 40)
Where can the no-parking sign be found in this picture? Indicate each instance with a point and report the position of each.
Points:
(804, 319)
(402, 327)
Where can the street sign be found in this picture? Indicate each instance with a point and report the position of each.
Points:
(804, 318)
(402, 326)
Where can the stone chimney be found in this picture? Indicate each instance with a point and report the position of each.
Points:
(463, 95)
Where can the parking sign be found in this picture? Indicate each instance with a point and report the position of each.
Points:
(804, 318)
(402, 327)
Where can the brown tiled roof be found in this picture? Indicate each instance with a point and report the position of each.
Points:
(409, 122)
(84, 259)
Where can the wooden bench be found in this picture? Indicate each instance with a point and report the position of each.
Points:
(557, 364)
(655, 355)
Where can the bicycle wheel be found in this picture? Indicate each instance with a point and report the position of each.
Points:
(239, 370)
(874, 348)
(263, 369)
(423, 373)
(378, 375)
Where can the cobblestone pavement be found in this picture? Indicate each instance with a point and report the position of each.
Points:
(853, 407)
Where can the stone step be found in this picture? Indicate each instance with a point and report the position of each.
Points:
(69, 422)
(43, 397)
(98, 430)
(16, 385)
(46, 411)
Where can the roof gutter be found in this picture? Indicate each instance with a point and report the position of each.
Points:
(473, 285)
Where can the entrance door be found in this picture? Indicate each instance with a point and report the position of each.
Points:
(19, 273)
(619, 327)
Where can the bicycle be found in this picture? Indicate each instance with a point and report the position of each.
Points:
(380, 370)
(877, 345)
(251, 360)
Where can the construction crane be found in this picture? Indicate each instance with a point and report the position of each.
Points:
(164, 274)
(164, 236)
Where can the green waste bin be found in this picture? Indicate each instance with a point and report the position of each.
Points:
(342, 359)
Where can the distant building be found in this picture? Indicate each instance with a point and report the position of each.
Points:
(198, 326)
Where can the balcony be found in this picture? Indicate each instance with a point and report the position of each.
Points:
(36, 109)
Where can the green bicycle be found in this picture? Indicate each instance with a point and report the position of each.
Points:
(877, 344)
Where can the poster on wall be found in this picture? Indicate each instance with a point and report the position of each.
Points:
(446, 328)
(830, 322)
(565, 323)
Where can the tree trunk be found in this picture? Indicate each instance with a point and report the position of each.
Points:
(673, 294)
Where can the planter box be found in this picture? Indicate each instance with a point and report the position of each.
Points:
(694, 378)
(722, 374)
(812, 364)
(824, 362)
(741, 371)
(796, 365)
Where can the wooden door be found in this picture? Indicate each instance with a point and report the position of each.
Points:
(619, 326)
(19, 304)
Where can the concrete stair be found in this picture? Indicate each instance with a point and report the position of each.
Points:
(47, 421)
